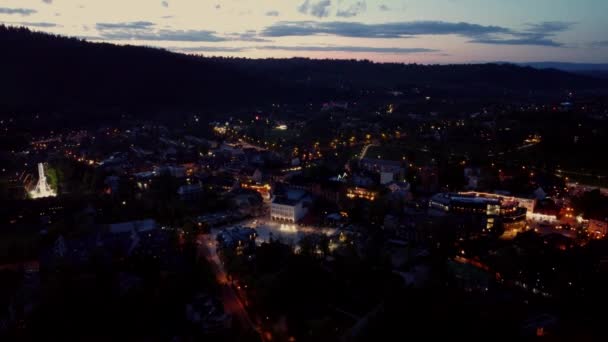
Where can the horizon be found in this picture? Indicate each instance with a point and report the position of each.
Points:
(206, 55)
(422, 32)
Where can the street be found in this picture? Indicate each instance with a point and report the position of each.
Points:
(232, 304)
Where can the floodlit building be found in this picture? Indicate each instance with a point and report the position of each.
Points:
(289, 207)
(524, 202)
(494, 210)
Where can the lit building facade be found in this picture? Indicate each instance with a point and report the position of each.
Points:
(263, 189)
(496, 211)
(362, 193)
(290, 207)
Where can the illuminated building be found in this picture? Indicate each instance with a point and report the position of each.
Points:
(361, 193)
(494, 210)
(528, 203)
(289, 207)
(262, 189)
(597, 228)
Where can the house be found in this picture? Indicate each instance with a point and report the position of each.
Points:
(190, 192)
(137, 225)
(362, 180)
(599, 228)
(399, 188)
(540, 194)
(545, 211)
(248, 202)
(173, 171)
(263, 189)
(253, 175)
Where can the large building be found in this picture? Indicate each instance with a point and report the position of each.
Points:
(291, 206)
(495, 210)
(525, 202)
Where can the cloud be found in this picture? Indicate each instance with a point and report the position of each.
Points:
(135, 25)
(209, 49)
(36, 24)
(394, 50)
(165, 4)
(549, 27)
(144, 30)
(352, 10)
(387, 50)
(384, 30)
(384, 7)
(318, 9)
(599, 44)
(164, 35)
(247, 36)
(20, 11)
(272, 13)
(539, 41)
(538, 34)
(304, 7)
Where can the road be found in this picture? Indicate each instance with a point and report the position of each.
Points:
(365, 149)
(207, 249)
(246, 144)
(232, 303)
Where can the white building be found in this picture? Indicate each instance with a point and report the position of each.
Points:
(290, 207)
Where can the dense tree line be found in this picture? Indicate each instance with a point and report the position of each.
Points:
(45, 70)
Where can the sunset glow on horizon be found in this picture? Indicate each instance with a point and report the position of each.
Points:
(429, 31)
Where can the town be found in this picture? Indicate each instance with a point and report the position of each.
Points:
(308, 223)
(303, 170)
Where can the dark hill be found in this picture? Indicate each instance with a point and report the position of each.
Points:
(40, 70)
